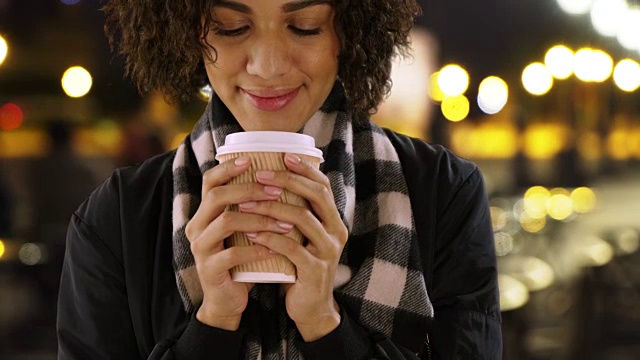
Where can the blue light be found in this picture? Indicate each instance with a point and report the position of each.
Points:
(70, 2)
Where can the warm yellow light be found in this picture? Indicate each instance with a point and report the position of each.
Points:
(576, 7)
(617, 144)
(434, 89)
(1, 248)
(592, 65)
(536, 274)
(589, 145)
(537, 79)
(606, 15)
(596, 252)
(543, 141)
(453, 80)
(455, 108)
(626, 75)
(530, 224)
(559, 61)
(583, 199)
(493, 95)
(76, 82)
(535, 202)
(4, 49)
(503, 243)
(489, 140)
(559, 206)
(498, 218)
(513, 293)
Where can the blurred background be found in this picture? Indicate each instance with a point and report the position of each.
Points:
(541, 94)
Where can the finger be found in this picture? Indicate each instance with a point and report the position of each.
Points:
(217, 199)
(224, 172)
(318, 194)
(217, 267)
(303, 219)
(212, 238)
(286, 246)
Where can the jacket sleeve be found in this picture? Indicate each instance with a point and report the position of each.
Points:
(94, 319)
(465, 290)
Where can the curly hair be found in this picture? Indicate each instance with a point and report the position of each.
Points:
(162, 45)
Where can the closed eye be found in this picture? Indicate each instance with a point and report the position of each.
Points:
(304, 32)
(230, 32)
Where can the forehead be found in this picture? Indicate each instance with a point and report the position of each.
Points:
(285, 6)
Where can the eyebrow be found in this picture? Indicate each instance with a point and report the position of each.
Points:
(286, 8)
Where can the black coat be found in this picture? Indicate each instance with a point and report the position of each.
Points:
(119, 298)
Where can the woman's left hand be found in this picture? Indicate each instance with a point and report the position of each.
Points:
(309, 301)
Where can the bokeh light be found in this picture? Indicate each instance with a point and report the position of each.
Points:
(559, 206)
(11, 117)
(626, 75)
(493, 95)
(503, 243)
(70, 2)
(583, 199)
(629, 28)
(537, 79)
(591, 65)
(453, 80)
(76, 82)
(434, 88)
(4, 49)
(595, 252)
(535, 201)
(30, 254)
(513, 293)
(575, 7)
(535, 273)
(2, 248)
(606, 15)
(455, 108)
(559, 61)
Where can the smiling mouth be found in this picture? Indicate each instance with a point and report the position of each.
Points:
(271, 99)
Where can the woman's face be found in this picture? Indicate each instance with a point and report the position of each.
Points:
(277, 60)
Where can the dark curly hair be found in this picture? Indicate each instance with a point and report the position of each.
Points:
(161, 42)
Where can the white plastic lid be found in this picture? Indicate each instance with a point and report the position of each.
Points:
(269, 141)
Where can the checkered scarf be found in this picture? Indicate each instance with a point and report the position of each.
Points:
(379, 280)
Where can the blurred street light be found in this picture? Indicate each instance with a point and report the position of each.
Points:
(626, 75)
(434, 88)
(606, 15)
(559, 61)
(592, 65)
(576, 7)
(629, 29)
(453, 80)
(4, 49)
(537, 79)
(513, 293)
(493, 95)
(76, 82)
(455, 108)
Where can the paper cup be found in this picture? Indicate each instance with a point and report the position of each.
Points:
(266, 150)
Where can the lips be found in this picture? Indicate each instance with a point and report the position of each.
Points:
(271, 99)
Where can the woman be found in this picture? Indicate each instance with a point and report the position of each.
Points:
(399, 262)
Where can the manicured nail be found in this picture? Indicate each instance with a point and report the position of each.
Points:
(247, 205)
(293, 159)
(242, 161)
(251, 236)
(272, 190)
(265, 175)
(284, 226)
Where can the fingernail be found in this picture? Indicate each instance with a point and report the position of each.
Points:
(242, 161)
(265, 175)
(247, 205)
(292, 158)
(272, 190)
(251, 236)
(284, 226)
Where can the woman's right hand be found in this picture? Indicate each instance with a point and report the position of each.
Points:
(224, 300)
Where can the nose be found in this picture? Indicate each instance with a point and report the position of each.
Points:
(269, 57)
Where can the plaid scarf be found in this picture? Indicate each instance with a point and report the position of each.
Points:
(379, 280)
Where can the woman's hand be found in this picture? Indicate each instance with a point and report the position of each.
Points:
(310, 303)
(225, 300)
